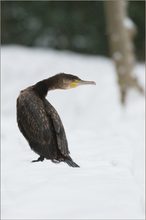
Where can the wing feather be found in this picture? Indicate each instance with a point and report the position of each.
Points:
(59, 129)
(41, 125)
(35, 121)
(35, 125)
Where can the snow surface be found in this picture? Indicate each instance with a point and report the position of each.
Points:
(129, 24)
(105, 139)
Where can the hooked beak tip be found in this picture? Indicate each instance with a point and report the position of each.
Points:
(93, 83)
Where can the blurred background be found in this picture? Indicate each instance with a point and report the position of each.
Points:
(65, 25)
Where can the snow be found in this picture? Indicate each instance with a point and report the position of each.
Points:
(128, 23)
(105, 139)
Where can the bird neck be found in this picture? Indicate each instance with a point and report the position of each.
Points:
(42, 87)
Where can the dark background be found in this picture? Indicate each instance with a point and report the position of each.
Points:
(66, 25)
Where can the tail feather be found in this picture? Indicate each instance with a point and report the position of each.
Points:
(70, 162)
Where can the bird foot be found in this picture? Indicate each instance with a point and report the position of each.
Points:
(55, 161)
(39, 159)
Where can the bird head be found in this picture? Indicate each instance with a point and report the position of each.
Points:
(68, 81)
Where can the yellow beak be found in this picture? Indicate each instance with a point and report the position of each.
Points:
(81, 82)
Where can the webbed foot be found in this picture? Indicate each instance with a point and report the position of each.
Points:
(41, 158)
(55, 161)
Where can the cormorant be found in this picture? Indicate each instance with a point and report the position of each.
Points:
(40, 123)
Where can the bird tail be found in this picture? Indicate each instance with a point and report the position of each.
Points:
(70, 162)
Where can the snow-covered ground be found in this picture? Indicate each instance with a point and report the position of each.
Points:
(105, 139)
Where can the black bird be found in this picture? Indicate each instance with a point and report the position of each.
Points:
(40, 123)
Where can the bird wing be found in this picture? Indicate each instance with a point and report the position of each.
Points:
(35, 124)
(59, 129)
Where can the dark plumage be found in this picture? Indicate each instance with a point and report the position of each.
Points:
(40, 123)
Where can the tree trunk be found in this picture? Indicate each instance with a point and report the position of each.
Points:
(121, 31)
